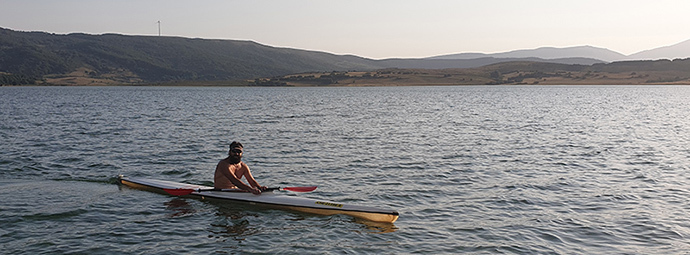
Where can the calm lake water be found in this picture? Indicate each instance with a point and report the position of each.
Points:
(471, 169)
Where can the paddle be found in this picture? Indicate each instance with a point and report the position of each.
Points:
(184, 192)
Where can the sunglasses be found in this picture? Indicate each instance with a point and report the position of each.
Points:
(236, 151)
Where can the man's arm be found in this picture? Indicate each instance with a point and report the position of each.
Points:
(250, 178)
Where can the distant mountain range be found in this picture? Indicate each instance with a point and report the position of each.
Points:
(547, 53)
(44, 58)
(680, 50)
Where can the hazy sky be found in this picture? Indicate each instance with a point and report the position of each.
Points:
(373, 28)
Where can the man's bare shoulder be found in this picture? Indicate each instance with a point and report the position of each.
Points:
(223, 163)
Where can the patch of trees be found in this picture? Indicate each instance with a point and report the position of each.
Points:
(16, 79)
(324, 79)
(268, 82)
(500, 78)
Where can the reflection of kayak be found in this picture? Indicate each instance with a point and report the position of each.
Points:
(269, 199)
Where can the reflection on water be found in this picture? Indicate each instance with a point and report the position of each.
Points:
(232, 224)
(377, 227)
(179, 208)
(238, 221)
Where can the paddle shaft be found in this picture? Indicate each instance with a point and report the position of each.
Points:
(235, 190)
(182, 192)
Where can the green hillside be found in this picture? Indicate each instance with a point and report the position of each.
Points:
(131, 59)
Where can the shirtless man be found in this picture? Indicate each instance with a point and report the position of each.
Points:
(230, 171)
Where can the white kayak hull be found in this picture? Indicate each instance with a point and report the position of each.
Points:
(269, 199)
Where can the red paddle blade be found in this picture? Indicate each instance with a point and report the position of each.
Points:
(179, 192)
(300, 189)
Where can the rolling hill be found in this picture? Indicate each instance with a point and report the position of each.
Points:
(154, 59)
(648, 72)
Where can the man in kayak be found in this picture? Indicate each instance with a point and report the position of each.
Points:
(230, 171)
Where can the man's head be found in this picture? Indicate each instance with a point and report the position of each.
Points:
(236, 144)
(235, 152)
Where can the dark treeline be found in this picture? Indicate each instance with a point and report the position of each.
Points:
(16, 79)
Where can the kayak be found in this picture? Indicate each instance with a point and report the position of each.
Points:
(267, 199)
